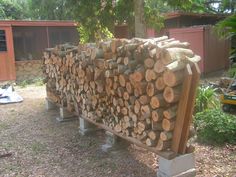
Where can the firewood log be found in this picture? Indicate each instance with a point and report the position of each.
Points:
(153, 135)
(172, 95)
(160, 84)
(157, 115)
(150, 75)
(138, 75)
(144, 99)
(166, 135)
(172, 79)
(157, 101)
(159, 67)
(172, 54)
(171, 112)
(150, 89)
(168, 125)
(162, 145)
(150, 142)
(149, 63)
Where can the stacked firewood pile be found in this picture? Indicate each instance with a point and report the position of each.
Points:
(131, 86)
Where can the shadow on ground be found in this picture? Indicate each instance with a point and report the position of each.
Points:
(39, 145)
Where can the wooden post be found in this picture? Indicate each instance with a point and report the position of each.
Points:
(189, 109)
(182, 110)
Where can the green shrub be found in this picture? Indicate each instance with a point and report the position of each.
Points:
(38, 82)
(23, 83)
(215, 126)
(206, 98)
(84, 34)
(232, 72)
(35, 81)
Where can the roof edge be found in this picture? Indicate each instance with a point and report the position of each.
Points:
(179, 14)
(38, 23)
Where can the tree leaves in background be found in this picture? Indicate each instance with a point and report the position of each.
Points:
(227, 29)
(11, 10)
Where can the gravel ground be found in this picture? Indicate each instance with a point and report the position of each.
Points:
(38, 145)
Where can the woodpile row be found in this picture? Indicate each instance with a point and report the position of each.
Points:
(131, 86)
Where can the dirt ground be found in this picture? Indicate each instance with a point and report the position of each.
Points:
(38, 145)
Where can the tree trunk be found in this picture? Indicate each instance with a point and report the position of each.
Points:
(140, 26)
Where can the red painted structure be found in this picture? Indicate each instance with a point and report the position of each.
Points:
(7, 58)
(183, 19)
(197, 29)
(121, 31)
(26, 40)
(204, 42)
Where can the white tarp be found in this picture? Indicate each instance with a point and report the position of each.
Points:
(7, 95)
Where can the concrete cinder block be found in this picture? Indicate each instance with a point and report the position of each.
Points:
(113, 142)
(180, 166)
(111, 139)
(86, 127)
(65, 115)
(50, 105)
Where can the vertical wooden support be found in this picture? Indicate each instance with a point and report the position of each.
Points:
(48, 40)
(183, 103)
(190, 108)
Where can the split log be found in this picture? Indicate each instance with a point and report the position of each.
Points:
(150, 89)
(157, 115)
(166, 135)
(171, 112)
(172, 79)
(149, 63)
(160, 84)
(168, 125)
(150, 142)
(157, 101)
(150, 75)
(163, 145)
(159, 66)
(171, 54)
(144, 99)
(172, 95)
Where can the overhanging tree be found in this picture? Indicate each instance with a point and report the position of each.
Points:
(11, 10)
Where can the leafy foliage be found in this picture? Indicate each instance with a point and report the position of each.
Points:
(97, 17)
(49, 10)
(92, 17)
(206, 98)
(153, 10)
(188, 5)
(36, 81)
(220, 6)
(11, 10)
(232, 71)
(200, 6)
(215, 126)
(227, 29)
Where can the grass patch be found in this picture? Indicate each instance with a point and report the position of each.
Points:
(38, 147)
(6, 145)
(12, 168)
(36, 82)
(3, 126)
